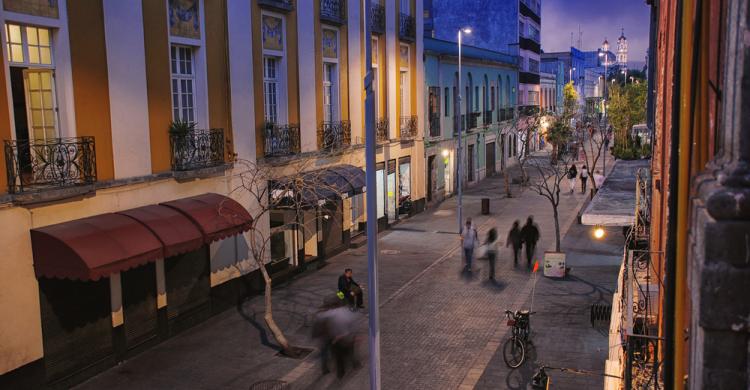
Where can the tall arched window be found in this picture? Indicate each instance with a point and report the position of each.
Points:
(508, 97)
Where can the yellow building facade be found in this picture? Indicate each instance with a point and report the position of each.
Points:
(111, 109)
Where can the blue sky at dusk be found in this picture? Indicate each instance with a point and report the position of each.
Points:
(598, 19)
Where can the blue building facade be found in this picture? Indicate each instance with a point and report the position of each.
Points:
(489, 95)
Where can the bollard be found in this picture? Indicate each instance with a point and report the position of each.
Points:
(485, 206)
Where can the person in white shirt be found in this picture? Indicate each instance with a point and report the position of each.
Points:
(598, 179)
(469, 240)
(584, 176)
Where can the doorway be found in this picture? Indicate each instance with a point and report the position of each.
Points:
(188, 289)
(139, 305)
(431, 174)
(331, 222)
(490, 158)
(470, 164)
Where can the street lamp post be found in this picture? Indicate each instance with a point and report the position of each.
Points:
(604, 133)
(459, 153)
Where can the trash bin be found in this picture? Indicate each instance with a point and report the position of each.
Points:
(485, 206)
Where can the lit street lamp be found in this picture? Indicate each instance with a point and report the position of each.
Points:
(465, 30)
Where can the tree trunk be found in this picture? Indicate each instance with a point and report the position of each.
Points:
(557, 228)
(554, 153)
(507, 184)
(268, 316)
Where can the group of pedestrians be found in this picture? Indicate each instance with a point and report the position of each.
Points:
(518, 237)
(583, 175)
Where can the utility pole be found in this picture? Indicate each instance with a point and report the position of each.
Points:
(372, 211)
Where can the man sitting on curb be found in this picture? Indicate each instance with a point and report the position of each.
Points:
(351, 290)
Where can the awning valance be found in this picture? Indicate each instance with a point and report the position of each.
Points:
(322, 184)
(94, 247)
(89, 248)
(217, 216)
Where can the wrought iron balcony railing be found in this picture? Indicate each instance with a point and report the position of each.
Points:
(381, 130)
(279, 5)
(486, 117)
(435, 124)
(470, 120)
(407, 27)
(281, 140)
(197, 149)
(333, 11)
(334, 135)
(377, 18)
(34, 165)
(408, 127)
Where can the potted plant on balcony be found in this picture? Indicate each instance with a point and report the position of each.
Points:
(181, 128)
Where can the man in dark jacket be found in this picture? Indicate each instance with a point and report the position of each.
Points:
(350, 288)
(514, 238)
(530, 236)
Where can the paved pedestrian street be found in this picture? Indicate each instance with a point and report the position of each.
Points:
(441, 328)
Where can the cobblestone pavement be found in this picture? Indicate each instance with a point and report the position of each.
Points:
(439, 326)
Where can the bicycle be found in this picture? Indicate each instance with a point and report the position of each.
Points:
(514, 350)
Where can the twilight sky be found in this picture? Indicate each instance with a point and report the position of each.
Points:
(598, 19)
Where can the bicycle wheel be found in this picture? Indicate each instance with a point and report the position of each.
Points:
(514, 352)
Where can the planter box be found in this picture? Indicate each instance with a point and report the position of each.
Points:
(554, 264)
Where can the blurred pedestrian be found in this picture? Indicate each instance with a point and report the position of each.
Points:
(572, 174)
(351, 290)
(335, 328)
(598, 179)
(514, 238)
(584, 178)
(530, 236)
(491, 250)
(469, 238)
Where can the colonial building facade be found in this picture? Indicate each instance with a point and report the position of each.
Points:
(124, 123)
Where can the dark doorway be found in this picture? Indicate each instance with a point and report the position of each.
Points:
(502, 152)
(139, 305)
(431, 174)
(76, 328)
(331, 222)
(490, 158)
(470, 164)
(188, 289)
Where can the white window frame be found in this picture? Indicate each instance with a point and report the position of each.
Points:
(405, 90)
(180, 81)
(282, 102)
(333, 83)
(200, 88)
(60, 58)
(268, 116)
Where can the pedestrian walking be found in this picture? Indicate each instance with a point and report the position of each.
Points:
(514, 238)
(491, 249)
(530, 236)
(336, 328)
(584, 178)
(469, 238)
(598, 179)
(572, 174)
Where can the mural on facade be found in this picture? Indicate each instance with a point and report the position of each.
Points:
(330, 44)
(184, 19)
(273, 38)
(45, 8)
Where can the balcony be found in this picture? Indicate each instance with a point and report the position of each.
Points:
(408, 127)
(197, 149)
(333, 11)
(505, 114)
(281, 140)
(55, 163)
(435, 124)
(529, 110)
(377, 18)
(381, 130)
(470, 120)
(407, 27)
(278, 5)
(334, 135)
(486, 117)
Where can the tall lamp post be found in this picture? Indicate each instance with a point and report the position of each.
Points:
(465, 30)
(605, 133)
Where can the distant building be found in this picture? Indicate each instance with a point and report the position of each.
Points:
(505, 26)
(622, 50)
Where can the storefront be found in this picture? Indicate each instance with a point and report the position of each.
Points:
(113, 283)
(405, 205)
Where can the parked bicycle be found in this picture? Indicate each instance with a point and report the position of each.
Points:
(514, 350)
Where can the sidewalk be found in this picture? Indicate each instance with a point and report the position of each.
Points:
(435, 321)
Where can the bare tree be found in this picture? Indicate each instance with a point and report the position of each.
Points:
(590, 137)
(521, 128)
(547, 184)
(299, 188)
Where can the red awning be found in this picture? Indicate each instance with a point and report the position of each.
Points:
(94, 247)
(216, 215)
(89, 248)
(177, 233)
